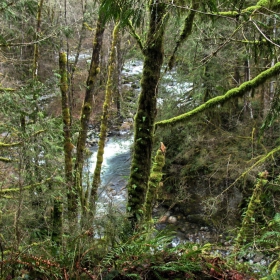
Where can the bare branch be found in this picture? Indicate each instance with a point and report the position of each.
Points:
(264, 34)
(27, 44)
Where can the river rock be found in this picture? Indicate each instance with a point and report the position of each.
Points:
(172, 220)
(126, 126)
(92, 142)
(258, 257)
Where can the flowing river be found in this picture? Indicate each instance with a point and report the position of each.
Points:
(112, 193)
(115, 171)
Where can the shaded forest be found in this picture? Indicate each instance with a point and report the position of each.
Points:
(202, 198)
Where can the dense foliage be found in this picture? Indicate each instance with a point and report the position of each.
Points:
(208, 109)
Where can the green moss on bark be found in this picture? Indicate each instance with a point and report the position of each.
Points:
(253, 205)
(68, 146)
(146, 112)
(154, 183)
(186, 32)
(219, 100)
(104, 118)
(87, 107)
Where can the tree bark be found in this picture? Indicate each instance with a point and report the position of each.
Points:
(68, 146)
(146, 112)
(154, 182)
(253, 205)
(87, 107)
(57, 221)
(104, 118)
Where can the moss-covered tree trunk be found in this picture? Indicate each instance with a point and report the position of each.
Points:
(154, 182)
(146, 112)
(87, 107)
(68, 146)
(104, 118)
(57, 230)
(253, 205)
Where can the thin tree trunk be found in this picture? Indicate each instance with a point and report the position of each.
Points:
(37, 36)
(146, 112)
(87, 107)
(82, 36)
(68, 146)
(104, 118)
(119, 80)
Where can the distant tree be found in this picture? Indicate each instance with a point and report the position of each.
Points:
(104, 119)
(87, 108)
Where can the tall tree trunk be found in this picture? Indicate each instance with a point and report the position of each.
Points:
(104, 118)
(87, 107)
(68, 146)
(146, 112)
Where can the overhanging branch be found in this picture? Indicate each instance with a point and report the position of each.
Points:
(221, 99)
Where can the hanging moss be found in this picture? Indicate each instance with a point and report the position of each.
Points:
(261, 5)
(219, 100)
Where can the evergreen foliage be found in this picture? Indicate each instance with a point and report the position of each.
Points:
(221, 130)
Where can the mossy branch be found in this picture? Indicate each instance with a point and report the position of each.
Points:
(135, 35)
(9, 145)
(5, 159)
(7, 89)
(221, 99)
(5, 145)
(15, 190)
(261, 5)
(186, 32)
